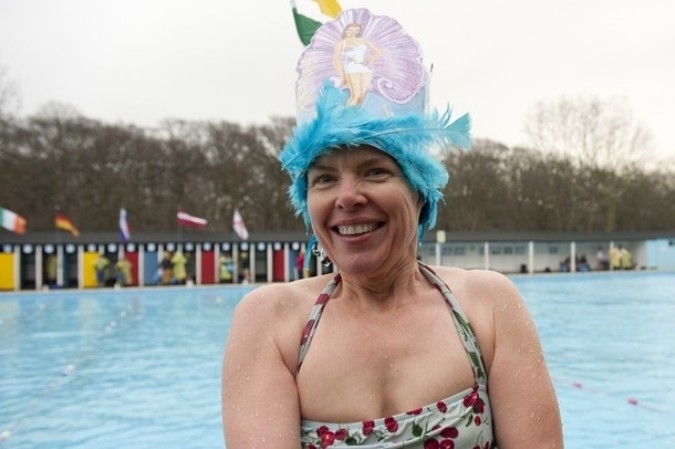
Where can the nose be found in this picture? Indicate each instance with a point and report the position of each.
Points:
(350, 194)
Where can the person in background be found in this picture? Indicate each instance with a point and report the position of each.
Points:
(387, 351)
(601, 262)
(615, 257)
(178, 264)
(300, 265)
(165, 269)
(226, 268)
(123, 272)
(244, 268)
(626, 259)
(101, 265)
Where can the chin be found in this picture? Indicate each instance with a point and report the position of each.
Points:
(361, 264)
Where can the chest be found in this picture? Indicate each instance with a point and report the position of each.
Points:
(368, 366)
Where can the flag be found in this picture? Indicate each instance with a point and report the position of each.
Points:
(190, 221)
(125, 234)
(239, 226)
(307, 26)
(12, 221)
(63, 222)
(330, 8)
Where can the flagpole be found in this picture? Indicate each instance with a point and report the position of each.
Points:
(178, 227)
(57, 245)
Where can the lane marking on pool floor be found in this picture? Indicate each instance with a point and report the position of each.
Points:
(630, 400)
(66, 372)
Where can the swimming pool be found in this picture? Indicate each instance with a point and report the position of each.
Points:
(141, 368)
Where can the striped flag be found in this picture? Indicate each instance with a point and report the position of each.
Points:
(125, 233)
(307, 26)
(190, 221)
(239, 226)
(66, 224)
(12, 221)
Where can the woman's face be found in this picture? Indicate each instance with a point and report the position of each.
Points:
(353, 30)
(362, 211)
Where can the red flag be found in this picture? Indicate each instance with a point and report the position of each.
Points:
(190, 221)
(239, 226)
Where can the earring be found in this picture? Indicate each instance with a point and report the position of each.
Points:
(321, 255)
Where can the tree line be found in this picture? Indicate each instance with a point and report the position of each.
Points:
(59, 160)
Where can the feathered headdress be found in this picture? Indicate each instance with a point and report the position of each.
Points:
(391, 117)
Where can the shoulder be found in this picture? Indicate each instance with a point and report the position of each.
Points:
(484, 287)
(274, 314)
(491, 302)
(277, 306)
(277, 300)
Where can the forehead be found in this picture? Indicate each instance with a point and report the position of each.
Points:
(358, 154)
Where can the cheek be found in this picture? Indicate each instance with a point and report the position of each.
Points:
(316, 206)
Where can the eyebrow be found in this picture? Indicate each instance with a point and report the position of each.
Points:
(368, 160)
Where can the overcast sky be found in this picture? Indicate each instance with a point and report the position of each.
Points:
(140, 61)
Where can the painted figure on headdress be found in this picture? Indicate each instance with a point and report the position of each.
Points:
(353, 58)
(369, 57)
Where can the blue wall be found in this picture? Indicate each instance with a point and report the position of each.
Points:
(661, 254)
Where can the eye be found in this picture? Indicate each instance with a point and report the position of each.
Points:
(319, 179)
(377, 173)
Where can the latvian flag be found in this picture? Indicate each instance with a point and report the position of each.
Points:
(190, 221)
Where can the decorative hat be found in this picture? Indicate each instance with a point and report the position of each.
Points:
(361, 81)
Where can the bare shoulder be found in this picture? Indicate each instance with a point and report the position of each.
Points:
(480, 287)
(275, 313)
(278, 301)
(491, 302)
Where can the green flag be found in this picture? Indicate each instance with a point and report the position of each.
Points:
(306, 27)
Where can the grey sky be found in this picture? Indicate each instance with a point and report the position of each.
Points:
(139, 61)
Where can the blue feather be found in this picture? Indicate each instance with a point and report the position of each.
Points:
(413, 140)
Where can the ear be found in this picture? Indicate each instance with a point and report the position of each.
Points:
(420, 203)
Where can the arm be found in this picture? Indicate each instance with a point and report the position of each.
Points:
(524, 404)
(259, 397)
(337, 61)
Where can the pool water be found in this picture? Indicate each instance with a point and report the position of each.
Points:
(141, 368)
(609, 340)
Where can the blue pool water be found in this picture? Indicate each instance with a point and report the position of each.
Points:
(141, 368)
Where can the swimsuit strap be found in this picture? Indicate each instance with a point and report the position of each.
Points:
(468, 336)
(462, 324)
(315, 316)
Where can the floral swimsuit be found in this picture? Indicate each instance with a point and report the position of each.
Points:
(461, 421)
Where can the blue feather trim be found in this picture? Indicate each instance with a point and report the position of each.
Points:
(414, 141)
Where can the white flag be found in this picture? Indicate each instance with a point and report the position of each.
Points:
(239, 226)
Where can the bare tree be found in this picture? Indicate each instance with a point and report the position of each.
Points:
(10, 102)
(591, 132)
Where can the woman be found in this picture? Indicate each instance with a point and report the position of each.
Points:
(387, 352)
(352, 57)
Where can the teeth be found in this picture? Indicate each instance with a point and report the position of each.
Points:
(356, 229)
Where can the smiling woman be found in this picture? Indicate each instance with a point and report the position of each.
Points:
(387, 352)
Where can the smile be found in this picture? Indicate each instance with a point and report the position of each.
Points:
(356, 229)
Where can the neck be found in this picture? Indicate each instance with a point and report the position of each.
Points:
(390, 288)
